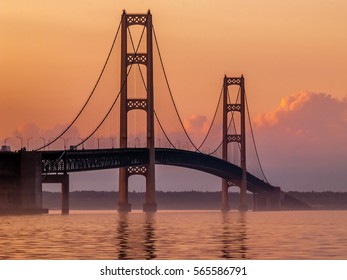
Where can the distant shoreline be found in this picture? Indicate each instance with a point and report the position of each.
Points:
(187, 200)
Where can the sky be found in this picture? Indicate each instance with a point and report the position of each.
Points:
(291, 53)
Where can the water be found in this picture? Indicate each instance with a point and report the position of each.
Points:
(176, 235)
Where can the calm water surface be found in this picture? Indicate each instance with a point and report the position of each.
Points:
(176, 235)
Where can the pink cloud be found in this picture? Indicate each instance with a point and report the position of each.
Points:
(27, 130)
(196, 123)
(33, 135)
(303, 140)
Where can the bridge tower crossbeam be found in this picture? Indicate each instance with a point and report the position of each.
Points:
(146, 104)
(239, 138)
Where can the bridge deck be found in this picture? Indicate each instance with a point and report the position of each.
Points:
(84, 160)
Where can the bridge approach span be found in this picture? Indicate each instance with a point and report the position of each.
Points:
(55, 162)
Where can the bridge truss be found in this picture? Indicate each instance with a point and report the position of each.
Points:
(70, 161)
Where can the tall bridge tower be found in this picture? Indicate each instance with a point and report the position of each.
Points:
(146, 104)
(239, 138)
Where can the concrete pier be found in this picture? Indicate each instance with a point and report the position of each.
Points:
(225, 197)
(268, 201)
(65, 189)
(21, 183)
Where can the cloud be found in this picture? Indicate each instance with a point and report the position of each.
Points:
(196, 123)
(198, 126)
(304, 140)
(26, 130)
(32, 135)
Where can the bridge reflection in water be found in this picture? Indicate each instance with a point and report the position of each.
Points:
(135, 243)
(234, 236)
(150, 236)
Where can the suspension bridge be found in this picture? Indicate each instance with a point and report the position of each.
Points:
(22, 173)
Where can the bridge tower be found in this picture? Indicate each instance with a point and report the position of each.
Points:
(146, 104)
(239, 138)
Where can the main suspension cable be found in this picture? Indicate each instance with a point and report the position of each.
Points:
(171, 95)
(90, 95)
(145, 86)
(162, 128)
(213, 119)
(169, 88)
(254, 143)
(120, 91)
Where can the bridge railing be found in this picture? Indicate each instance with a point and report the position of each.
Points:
(83, 160)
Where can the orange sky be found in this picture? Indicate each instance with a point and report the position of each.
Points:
(51, 53)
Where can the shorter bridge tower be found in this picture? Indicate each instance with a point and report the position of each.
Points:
(239, 138)
(146, 104)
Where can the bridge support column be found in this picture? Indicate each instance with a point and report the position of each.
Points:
(243, 195)
(64, 180)
(276, 199)
(65, 194)
(128, 59)
(150, 205)
(260, 201)
(239, 139)
(243, 190)
(225, 197)
(255, 202)
(268, 201)
(123, 204)
(21, 183)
